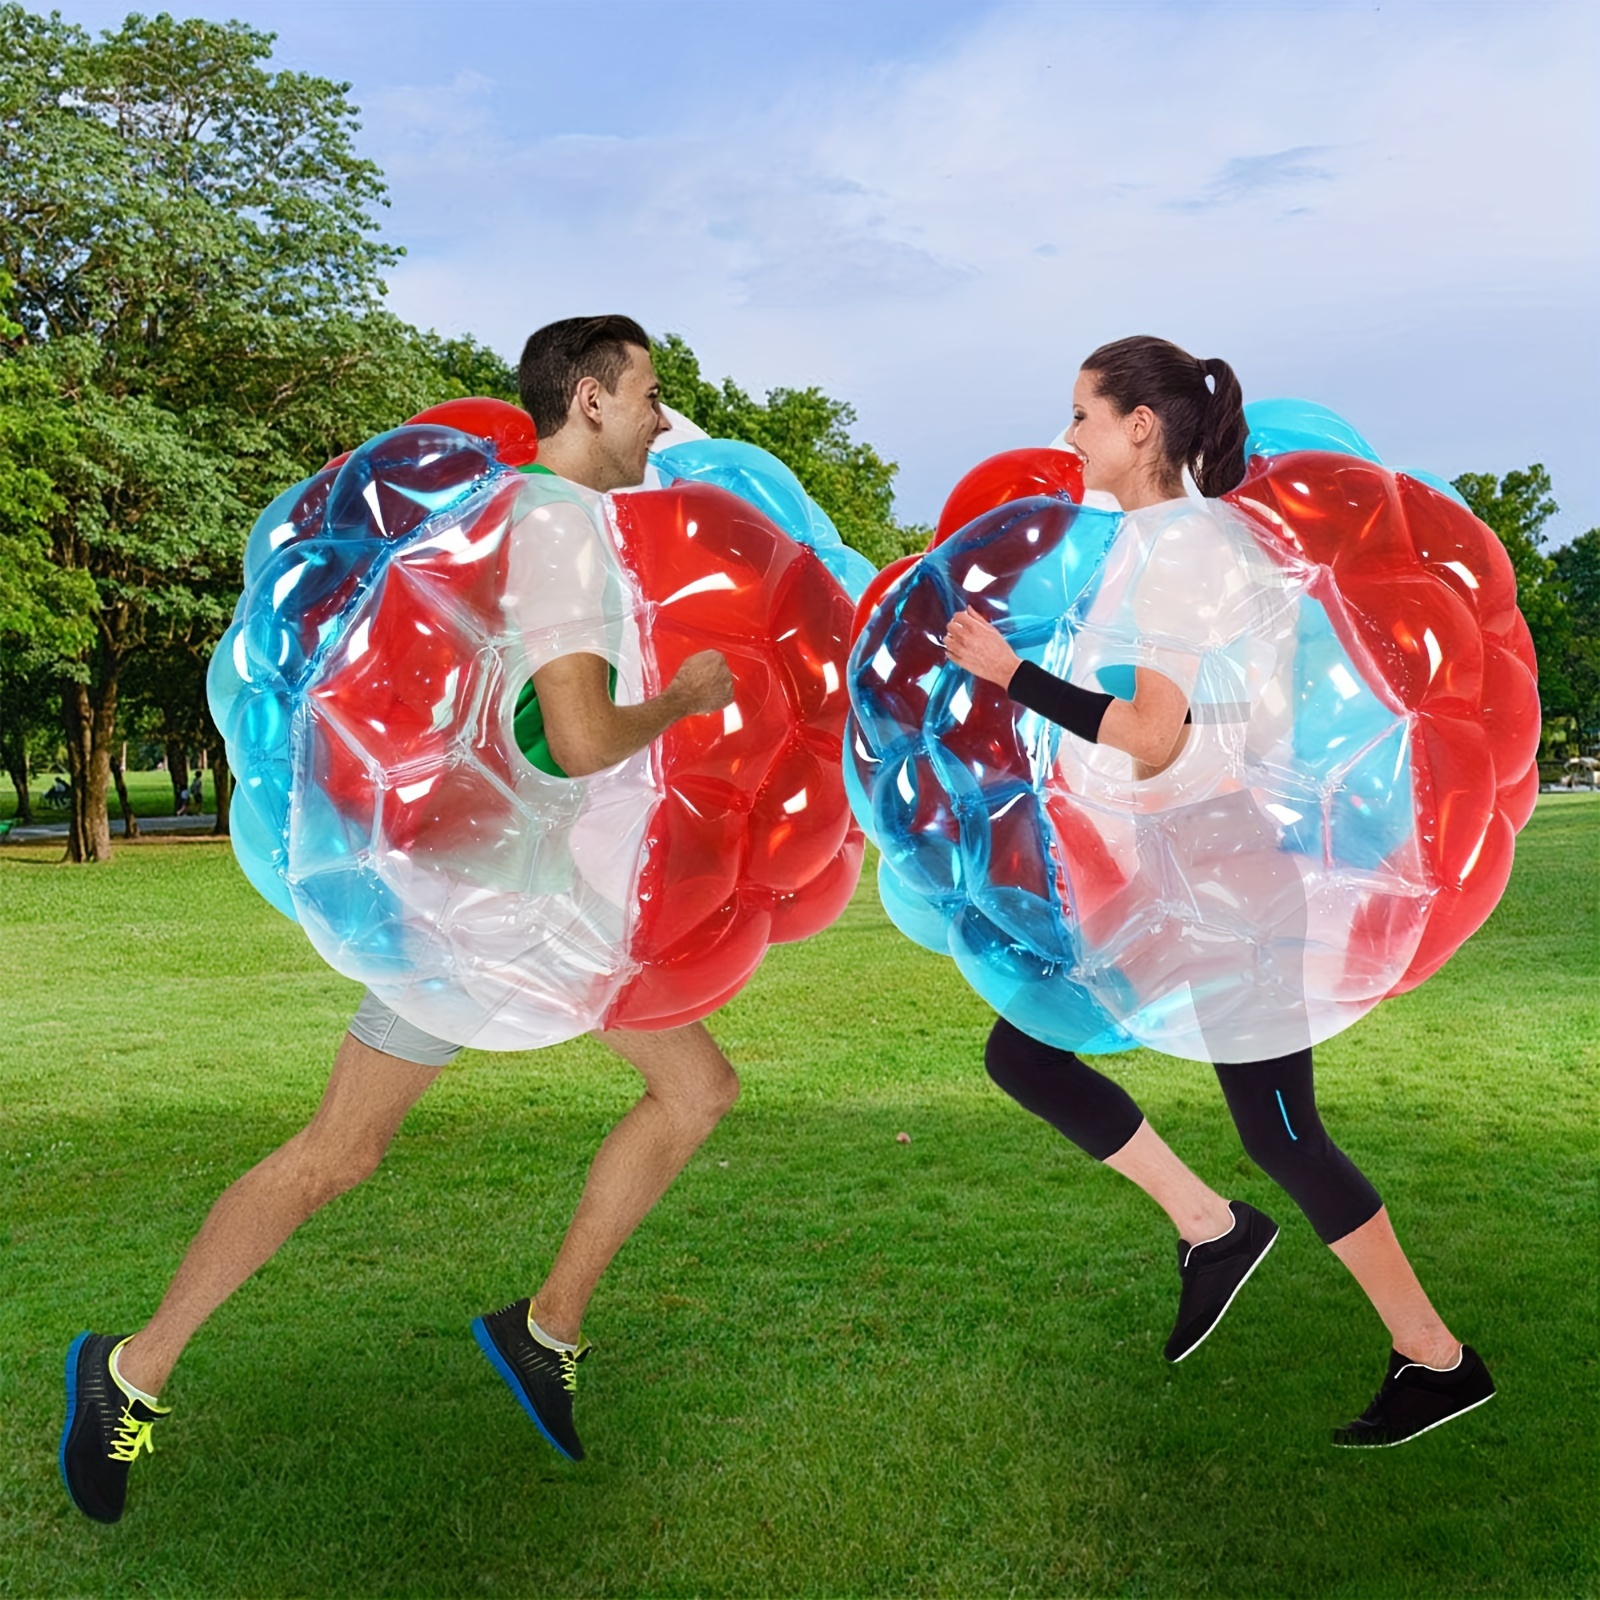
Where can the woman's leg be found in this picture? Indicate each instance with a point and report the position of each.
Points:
(1273, 1104)
(1379, 1265)
(1219, 1244)
(1101, 1118)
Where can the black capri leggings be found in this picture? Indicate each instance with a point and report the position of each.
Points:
(1272, 1104)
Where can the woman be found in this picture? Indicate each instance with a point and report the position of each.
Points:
(1143, 410)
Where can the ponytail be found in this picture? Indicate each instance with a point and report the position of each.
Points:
(1199, 403)
(1218, 462)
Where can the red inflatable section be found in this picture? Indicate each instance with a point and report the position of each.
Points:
(754, 842)
(1423, 597)
(1011, 475)
(509, 428)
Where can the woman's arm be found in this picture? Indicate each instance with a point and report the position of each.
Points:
(588, 731)
(1148, 727)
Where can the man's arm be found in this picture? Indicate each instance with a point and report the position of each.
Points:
(588, 731)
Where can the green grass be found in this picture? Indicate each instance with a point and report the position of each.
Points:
(149, 793)
(828, 1363)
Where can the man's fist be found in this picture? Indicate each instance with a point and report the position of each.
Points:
(702, 683)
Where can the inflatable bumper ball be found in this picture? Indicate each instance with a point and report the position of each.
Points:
(1337, 819)
(396, 794)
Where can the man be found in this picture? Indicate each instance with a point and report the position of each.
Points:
(590, 387)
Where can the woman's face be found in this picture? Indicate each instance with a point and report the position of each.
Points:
(1115, 448)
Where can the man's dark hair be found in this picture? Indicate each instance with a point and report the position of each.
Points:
(557, 356)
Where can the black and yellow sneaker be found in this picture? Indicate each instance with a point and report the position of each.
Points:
(106, 1428)
(1415, 1398)
(543, 1379)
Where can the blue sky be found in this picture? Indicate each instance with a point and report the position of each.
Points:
(934, 211)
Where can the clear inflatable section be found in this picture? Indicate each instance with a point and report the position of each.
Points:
(1256, 895)
(397, 793)
(518, 880)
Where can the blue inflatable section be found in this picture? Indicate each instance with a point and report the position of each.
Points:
(939, 807)
(761, 478)
(311, 560)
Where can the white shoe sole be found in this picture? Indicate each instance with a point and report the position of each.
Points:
(1394, 1444)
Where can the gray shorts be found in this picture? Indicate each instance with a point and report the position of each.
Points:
(376, 1026)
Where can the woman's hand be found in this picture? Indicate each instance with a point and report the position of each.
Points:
(972, 643)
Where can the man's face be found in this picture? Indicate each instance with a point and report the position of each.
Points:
(630, 420)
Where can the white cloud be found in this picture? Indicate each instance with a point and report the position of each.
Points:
(1392, 211)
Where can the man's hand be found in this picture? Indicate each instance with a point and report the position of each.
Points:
(972, 643)
(703, 683)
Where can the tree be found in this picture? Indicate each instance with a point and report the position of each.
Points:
(811, 434)
(193, 323)
(30, 723)
(1517, 507)
(1577, 570)
(165, 701)
(46, 614)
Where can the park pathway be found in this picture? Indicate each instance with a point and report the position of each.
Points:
(39, 832)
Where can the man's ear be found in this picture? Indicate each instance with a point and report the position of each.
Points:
(586, 400)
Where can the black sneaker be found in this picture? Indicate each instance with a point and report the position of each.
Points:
(1214, 1272)
(106, 1428)
(1415, 1398)
(543, 1380)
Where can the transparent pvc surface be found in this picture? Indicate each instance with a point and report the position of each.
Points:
(1337, 820)
(396, 607)
(757, 476)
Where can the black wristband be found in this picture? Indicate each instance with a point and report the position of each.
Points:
(1079, 711)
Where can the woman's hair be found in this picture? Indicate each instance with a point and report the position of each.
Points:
(1202, 424)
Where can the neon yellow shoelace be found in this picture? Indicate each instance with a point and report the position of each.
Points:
(569, 1371)
(130, 1437)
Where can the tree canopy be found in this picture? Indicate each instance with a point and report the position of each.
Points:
(1558, 595)
(809, 432)
(192, 318)
(190, 276)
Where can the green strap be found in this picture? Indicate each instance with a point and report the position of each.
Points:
(527, 726)
(534, 466)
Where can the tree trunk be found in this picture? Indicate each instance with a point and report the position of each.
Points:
(223, 779)
(130, 823)
(89, 769)
(177, 770)
(13, 756)
(17, 771)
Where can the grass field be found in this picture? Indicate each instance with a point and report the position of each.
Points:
(829, 1364)
(149, 793)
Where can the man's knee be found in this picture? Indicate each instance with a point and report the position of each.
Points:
(699, 1102)
(327, 1166)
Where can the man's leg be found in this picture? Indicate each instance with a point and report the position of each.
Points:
(366, 1100)
(534, 1344)
(689, 1084)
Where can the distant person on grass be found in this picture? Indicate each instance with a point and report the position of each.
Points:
(590, 387)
